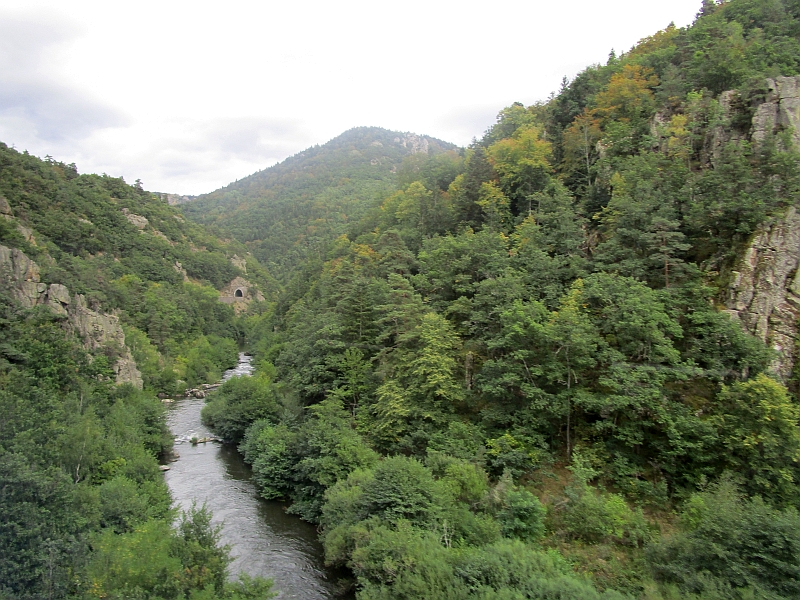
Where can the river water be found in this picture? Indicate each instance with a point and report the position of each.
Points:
(264, 540)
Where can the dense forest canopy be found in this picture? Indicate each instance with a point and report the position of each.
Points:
(125, 250)
(497, 372)
(511, 376)
(287, 213)
(84, 509)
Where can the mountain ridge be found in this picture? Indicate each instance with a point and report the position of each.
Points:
(291, 210)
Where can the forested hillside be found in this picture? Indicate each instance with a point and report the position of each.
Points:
(559, 363)
(288, 213)
(126, 250)
(513, 377)
(84, 509)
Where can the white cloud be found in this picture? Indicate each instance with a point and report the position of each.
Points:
(34, 102)
(189, 97)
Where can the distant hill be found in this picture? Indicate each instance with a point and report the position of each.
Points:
(173, 199)
(290, 211)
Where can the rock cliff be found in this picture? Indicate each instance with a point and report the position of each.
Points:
(764, 292)
(95, 328)
(175, 199)
(780, 111)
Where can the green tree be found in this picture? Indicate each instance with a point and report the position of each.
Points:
(239, 402)
(742, 547)
(760, 437)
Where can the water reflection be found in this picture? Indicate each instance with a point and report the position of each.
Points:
(264, 540)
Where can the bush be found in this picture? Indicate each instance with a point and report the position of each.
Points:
(512, 570)
(208, 357)
(595, 517)
(269, 449)
(728, 542)
(522, 516)
(239, 402)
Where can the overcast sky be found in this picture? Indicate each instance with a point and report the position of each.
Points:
(190, 96)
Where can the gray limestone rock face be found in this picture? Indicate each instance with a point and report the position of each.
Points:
(239, 263)
(58, 298)
(96, 329)
(174, 199)
(5, 207)
(780, 111)
(26, 233)
(126, 372)
(721, 134)
(764, 294)
(137, 221)
(416, 143)
(179, 268)
(21, 274)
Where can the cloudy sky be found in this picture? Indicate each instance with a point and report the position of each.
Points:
(188, 96)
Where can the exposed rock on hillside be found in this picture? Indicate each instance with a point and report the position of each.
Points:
(765, 291)
(781, 111)
(5, 208)
(722, 133)
(239, 263)
(240, 293)
(135, 220)
(174, 199)
(96, 329)
(179, 268)
(8, 214)
(416, 143)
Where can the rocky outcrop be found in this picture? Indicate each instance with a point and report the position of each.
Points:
(5, 208)
(240, 293)
(101, 330)
(175, 199)
(179, 268)
(239, 263)
(7, 214)
(721, 134)
(780, 111)
(96, 329)
(417, 144)
(764, 293)
(137, 221)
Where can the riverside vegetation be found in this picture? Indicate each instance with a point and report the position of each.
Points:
(507, 377)
(511, 377)
(84, 509)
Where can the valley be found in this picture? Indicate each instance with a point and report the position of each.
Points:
(559, 362)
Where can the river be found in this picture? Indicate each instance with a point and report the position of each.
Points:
(264, 540)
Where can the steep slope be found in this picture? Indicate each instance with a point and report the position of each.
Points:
(120, 297)
(292, 210)
(98, 331)
(104, 246)
(534, 351)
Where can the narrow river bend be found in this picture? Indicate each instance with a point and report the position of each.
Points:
(264, 540)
